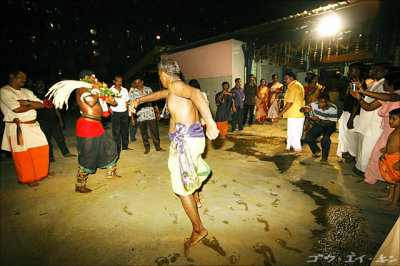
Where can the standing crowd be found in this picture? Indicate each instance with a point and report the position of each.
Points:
(369, 103)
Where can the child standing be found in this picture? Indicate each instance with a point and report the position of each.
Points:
(389, 162)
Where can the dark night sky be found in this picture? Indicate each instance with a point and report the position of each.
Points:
(126, 30)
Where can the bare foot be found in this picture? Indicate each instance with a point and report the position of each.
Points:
(162, 150)
(323, 160)
(129, 149)
(196, 237)
(51, 174)
(146, 152)
(114, 176)
(389, 207)
(361, 182)
(33, 184)
(70, 155)
(83, 190)
(293, 152)
(384, 198)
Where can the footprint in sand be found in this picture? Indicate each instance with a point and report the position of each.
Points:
(261, 220)
(266, 251)
(214, 244)
(236, 194)
(161, 261)
(273, 194)
(275, 203)
(125, 209)
(282, 243)
(173, 257)
(234, 258)
(259, 205)
(243, 203)
(175, 216)
(286, 229)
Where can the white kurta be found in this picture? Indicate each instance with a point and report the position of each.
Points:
(348, 138)
(32, 135)
(369, 127)
(31, 157)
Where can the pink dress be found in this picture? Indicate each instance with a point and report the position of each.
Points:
(372, 173)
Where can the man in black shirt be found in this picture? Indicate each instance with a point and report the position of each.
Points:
(348, 138)
(50, 121)
(250, 92)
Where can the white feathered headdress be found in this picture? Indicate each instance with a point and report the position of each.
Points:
(61, 91)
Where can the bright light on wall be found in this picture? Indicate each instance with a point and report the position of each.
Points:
(329, 25)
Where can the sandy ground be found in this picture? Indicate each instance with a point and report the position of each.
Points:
(260, 206)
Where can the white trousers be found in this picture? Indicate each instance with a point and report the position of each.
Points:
(348, 138)
(365, 146)
(294, 133)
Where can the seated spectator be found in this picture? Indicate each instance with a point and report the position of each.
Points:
(322, 116)
(389, 162)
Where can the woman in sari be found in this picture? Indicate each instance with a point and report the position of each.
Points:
(274, 103)
(262, 103)
(315, 91)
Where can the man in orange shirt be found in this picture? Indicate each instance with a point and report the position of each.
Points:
(294, 100)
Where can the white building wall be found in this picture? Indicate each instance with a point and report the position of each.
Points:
(238, 62)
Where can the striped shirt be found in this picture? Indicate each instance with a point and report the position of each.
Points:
(330, 113)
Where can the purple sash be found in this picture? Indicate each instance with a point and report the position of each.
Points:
(190, 180)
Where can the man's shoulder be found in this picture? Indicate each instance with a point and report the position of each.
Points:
(331, 105)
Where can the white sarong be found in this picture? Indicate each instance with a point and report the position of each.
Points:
(294, 133)
(348, 138)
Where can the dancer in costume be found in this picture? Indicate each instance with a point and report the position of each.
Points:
(187, 167)
(96, 148)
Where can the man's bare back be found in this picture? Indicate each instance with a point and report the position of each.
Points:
(182, 109)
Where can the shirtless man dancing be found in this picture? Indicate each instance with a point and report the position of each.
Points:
(188, 169)
(96, 148)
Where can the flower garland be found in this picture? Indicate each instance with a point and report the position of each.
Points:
(104, 92)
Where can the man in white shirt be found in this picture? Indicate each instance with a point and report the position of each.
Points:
(369, 122)
(146, 116)
(120, 115)
(22, 135)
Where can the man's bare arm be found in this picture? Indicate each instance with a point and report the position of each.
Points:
(154, 96)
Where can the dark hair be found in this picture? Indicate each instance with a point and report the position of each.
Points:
(225, 82)
(194, 83)
(291, 74)
(15, 71)
(313, 76)
(262, 80)
(138, 77)
(325, 97)
(359, 66)
(237, 79)
(117, 76)
(274, 75)
(85, 72)
(384, 65)
(393, 79)
(395, 112)
(251, 75)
